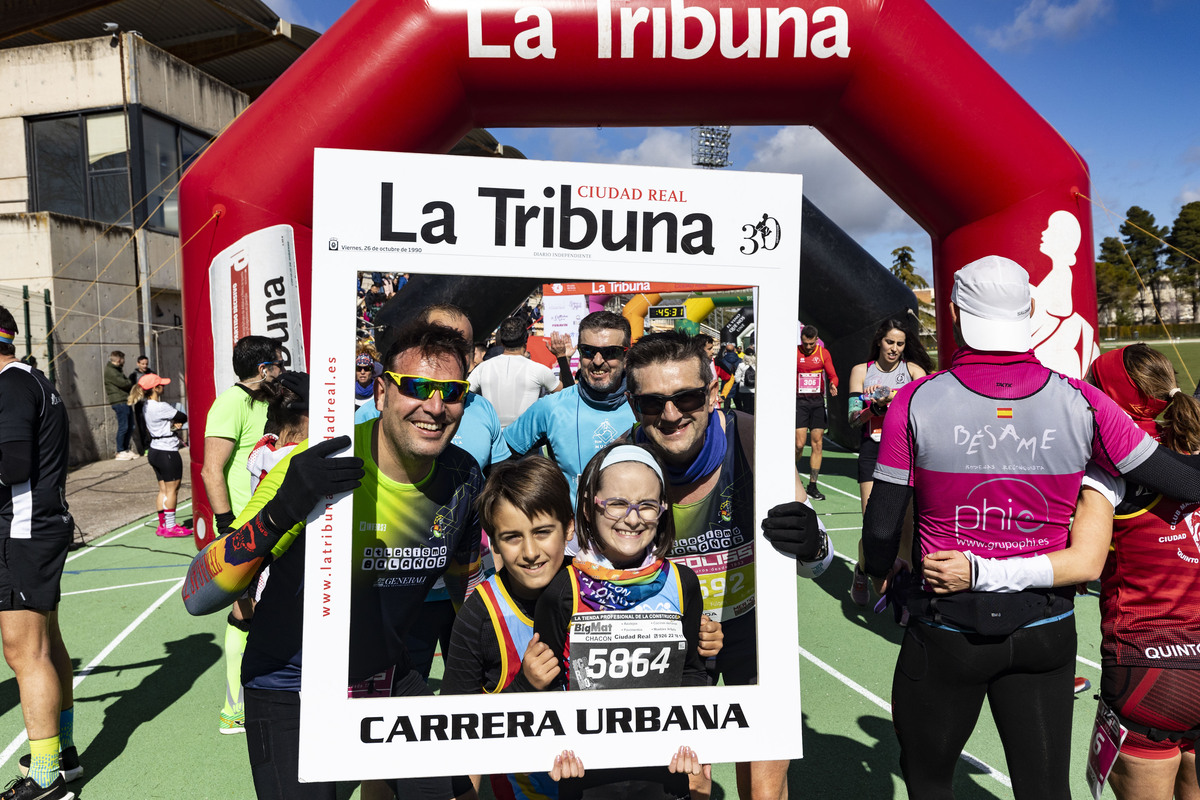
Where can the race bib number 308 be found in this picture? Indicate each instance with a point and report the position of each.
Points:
(626, 650)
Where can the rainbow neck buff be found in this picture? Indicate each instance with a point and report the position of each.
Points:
(602, 586)
(1109, 375)
(7, 336)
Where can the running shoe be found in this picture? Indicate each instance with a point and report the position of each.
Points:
(28, 789)
(814, 492)
(124, 455)
(68, 764)
(860, 587)
(235, 724)
(173, 532)
(1082, 685)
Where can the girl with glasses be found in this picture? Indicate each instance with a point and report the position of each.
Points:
(621, 609)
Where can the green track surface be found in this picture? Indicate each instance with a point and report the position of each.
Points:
(146, 711)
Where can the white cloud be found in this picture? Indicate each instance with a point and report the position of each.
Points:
(572, 144)
(660, 148)
(1038, 19)
(1190, 194)
(833, 182)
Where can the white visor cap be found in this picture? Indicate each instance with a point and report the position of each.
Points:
(993, 299)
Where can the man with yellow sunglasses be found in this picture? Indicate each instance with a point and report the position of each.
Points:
(414, 521)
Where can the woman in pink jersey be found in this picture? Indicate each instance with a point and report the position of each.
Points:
(992, 451)
(1150, 591)
(897, 358)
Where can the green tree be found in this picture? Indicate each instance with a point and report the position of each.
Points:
(1143, 242)
(904, 268)
(1116, 285)
(1184, 266)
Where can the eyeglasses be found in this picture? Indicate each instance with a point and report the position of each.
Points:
(618, 508)
(272, 364)
(610, 353)
(686, 401)
(423, 388)
(366, 368)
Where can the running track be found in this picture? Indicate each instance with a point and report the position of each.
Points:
(149, 679)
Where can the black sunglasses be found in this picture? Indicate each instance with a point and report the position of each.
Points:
(610, 353)
(652, 405)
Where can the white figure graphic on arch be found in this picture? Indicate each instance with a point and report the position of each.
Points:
(1062, 339)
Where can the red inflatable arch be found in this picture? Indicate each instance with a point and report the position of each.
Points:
(887, 81)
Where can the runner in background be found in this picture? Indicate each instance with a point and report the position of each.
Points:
(164, 449)
(234, 425)
(511, 381)
(896, 358)
(814, 374)
(366, 370)
(577, 422)
(746, 378)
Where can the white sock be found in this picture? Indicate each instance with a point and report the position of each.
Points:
(169, 517)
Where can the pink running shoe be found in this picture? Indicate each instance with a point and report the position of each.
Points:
(174, 532)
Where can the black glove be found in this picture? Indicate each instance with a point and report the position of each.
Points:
(224, 522)
(792, 529)
(310, 476)
(296, 382)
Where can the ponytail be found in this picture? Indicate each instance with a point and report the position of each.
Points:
(1181, 423)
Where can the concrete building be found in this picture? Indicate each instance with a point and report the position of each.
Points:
(95, 132)
(92, 141)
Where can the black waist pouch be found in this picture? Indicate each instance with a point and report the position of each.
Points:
(992, 613)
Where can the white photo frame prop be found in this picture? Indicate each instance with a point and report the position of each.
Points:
(457, 216)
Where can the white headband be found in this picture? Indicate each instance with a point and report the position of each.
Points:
(631, 452)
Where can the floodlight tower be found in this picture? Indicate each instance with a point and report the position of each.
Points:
(710, 146)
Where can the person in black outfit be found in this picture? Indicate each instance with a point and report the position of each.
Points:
(35, 534)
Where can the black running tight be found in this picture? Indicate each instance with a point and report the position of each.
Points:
(941, 680)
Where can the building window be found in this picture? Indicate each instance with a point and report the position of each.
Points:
(167, 147)
(80, 166)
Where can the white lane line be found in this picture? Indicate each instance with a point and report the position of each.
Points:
(856, 528)
(1089, 662)
(83, 673)
(122, 586)
(1000, 777)
(839, 491)
(112, 537)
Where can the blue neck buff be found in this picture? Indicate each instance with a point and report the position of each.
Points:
(706, 461)
(607, 402)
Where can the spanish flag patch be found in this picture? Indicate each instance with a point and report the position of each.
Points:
(1003, 413)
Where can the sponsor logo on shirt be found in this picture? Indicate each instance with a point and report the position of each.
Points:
(604, 435)
(1002, 514)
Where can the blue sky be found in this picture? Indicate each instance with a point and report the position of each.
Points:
(1116, 78)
